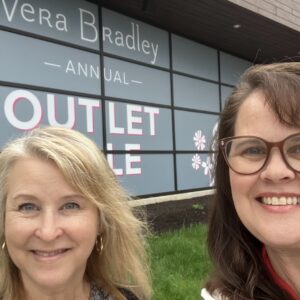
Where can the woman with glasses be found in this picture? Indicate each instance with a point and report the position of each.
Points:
(254, 230)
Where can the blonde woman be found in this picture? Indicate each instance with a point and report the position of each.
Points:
(66, 229)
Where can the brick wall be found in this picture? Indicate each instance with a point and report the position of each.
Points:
(286, 12)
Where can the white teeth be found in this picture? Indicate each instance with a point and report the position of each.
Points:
(275, 201)
(281, 200)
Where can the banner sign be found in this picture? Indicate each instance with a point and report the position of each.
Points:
(22, 110)
(133, 39)
(117, 80)
(135, 82)
(144, 174)
(72, 21)
(31, 61)
(145, 127)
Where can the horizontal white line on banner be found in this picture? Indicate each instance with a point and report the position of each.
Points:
(172, 197)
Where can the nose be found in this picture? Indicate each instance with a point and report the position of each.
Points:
(48, 228)
(276, 169)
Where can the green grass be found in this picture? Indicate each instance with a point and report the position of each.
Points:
(179, 263)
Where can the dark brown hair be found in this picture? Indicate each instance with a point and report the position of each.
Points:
(236, 254)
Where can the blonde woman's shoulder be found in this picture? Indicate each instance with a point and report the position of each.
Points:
(205, 295)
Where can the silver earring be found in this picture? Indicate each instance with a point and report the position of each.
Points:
(3, 246)
(99, 244)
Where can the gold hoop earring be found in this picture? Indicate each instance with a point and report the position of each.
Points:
(99, 244)
(3, 246)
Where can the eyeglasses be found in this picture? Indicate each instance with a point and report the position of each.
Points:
(249, 154)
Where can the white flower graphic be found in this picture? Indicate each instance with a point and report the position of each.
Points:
(208, 166)
(200, 140)
(196, 162)
(214, 146)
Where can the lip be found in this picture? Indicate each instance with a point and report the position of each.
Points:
(49, 255)
(277, 194)
(272, 195)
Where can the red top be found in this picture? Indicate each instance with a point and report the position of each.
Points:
(278, 280)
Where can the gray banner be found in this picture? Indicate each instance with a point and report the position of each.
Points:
(194, 171)
(143, 174)
(196, 94)
(133, 39)
(22, 110)
(194, 131)
(232, 68)
(72, 21)
(194, 58)
(131, 81)
(148, 127)
(44, 64)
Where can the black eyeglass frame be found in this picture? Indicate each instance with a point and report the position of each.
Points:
(223, 143)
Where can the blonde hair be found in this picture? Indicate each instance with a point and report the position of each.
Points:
(123, 261)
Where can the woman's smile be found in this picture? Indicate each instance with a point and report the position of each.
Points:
(279, 200)
(51, 255)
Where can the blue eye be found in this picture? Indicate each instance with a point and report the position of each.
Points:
(27, 207)
(70, 206)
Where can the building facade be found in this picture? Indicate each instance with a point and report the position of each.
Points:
(146, 80)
